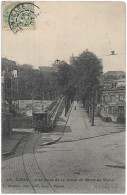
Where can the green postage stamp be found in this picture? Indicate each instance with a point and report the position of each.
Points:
(18, 15)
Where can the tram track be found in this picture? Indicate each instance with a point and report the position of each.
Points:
(42, 173)
(33, 172)
(30, 164)
(24, 164)
(36, 170)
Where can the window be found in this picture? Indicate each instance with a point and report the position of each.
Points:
(121, 97)
(112, 110)
(112, 98)
(120, 110)
(105, 98)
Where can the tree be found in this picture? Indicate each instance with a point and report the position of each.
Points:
(65, 81)
(80, 77)
(32, 81)
(88, 68)
(63, 74)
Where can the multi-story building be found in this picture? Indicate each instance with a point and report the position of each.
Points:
(9, 100)
(6, 115)
(113, 100)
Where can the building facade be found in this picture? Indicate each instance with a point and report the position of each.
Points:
(45, 69)
(113, 100)
(114, 75)
(6, 115)
(10, 101)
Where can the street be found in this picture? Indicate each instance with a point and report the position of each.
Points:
(85, 160)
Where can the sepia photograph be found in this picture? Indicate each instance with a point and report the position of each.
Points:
(63, 86)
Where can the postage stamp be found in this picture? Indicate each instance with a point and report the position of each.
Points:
(19, 15)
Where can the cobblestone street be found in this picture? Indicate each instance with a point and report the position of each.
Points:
(85, 160)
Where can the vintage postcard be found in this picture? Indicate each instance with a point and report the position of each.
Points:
(63, 97)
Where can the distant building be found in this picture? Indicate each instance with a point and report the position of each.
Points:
(114, 75)
(14, 73)
(55, 67)
(45, 69)
(113, 100)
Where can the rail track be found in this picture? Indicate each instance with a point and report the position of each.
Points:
(34, 173)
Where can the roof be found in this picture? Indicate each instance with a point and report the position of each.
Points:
(115, 72)
(121, 80)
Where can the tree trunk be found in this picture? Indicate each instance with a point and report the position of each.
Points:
(92, 124)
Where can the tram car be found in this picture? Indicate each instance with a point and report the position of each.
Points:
(42, 121)
(46, 120)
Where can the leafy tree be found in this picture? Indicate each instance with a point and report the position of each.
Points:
(42, 84)
(65, 81)
(88, 68)
(63, 74)
(80, 77)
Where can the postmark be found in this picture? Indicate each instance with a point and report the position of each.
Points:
(18, 16)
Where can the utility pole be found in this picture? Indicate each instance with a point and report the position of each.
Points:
(94, 89)
(93, 105)
(42, 102)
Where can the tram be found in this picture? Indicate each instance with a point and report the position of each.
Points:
(44, 121)
(39, 121)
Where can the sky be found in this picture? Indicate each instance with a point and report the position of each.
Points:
(66, 28)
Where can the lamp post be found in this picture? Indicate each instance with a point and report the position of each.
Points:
(94, 89)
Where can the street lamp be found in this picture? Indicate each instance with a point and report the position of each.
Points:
(113, 53)
(94, 89)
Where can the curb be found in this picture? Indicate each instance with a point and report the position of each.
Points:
(13, 149)
(58, 139)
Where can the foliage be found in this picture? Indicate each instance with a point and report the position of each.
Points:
(32, 83)
(81, 75)
(88, 68)
(65, 79)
